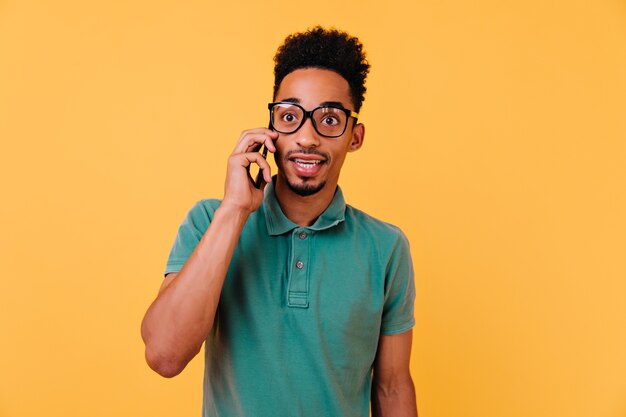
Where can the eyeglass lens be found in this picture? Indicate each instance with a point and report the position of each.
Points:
(328, 121)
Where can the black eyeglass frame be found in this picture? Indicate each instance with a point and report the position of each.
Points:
(309, 115)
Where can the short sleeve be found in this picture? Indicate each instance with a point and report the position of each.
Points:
(399, 290)
(190, 232)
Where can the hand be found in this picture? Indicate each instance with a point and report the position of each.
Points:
(239, 190)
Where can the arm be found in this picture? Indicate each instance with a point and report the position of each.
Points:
(181, 317)
(393, 393)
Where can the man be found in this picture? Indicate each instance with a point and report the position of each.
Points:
(305, 303)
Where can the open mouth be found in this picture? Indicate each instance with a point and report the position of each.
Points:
(307, 166)
(306, 163)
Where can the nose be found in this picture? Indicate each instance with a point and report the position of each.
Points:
(306, 136)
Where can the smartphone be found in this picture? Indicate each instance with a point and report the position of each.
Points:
(259, 176)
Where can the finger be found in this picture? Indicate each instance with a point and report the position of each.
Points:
(246, 159)
(264, 166)
(250, 143)
(254, 131)
(253, 140)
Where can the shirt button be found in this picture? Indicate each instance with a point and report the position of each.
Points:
(302, 235)
(299, 264)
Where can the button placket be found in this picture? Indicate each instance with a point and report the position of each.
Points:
(298, 294)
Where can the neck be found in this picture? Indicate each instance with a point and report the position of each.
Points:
(303, 210)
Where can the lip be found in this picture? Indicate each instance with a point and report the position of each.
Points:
(307, 166)
(307, 157)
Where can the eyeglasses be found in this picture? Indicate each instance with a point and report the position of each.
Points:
(328, 121)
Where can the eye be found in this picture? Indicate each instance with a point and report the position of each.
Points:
(329, 117)
(330, 120)
(288, 117)
(287, 114)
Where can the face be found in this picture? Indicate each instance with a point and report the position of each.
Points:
(308, 162)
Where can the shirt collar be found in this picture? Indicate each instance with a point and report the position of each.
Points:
(278, 223)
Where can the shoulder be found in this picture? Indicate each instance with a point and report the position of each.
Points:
(385, 239)
(204, 208)
(201, 214)
(379, 229)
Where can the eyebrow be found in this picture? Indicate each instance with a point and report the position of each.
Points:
(332, 104)
(322, 104)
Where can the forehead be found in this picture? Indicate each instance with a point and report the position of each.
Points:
(312, 86)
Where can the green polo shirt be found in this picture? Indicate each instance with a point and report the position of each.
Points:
(301, 310)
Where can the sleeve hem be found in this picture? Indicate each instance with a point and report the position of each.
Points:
(173, 267)
(397, 328)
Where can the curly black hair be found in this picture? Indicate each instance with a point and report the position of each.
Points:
(328, 49)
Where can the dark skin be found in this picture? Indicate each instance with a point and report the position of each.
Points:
(179, 320)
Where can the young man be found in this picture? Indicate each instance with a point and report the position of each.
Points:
(305, 303)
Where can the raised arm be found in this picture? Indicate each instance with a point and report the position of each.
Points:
(180, 318)
(393, 393)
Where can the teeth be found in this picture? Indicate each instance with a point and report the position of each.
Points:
(306, 164)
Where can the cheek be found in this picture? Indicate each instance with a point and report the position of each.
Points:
(338, 156)
(278, 156)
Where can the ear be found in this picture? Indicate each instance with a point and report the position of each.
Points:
(358, 134)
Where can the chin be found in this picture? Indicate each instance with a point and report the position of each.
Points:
(303, 189)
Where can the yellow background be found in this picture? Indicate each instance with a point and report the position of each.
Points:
(496, 138)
